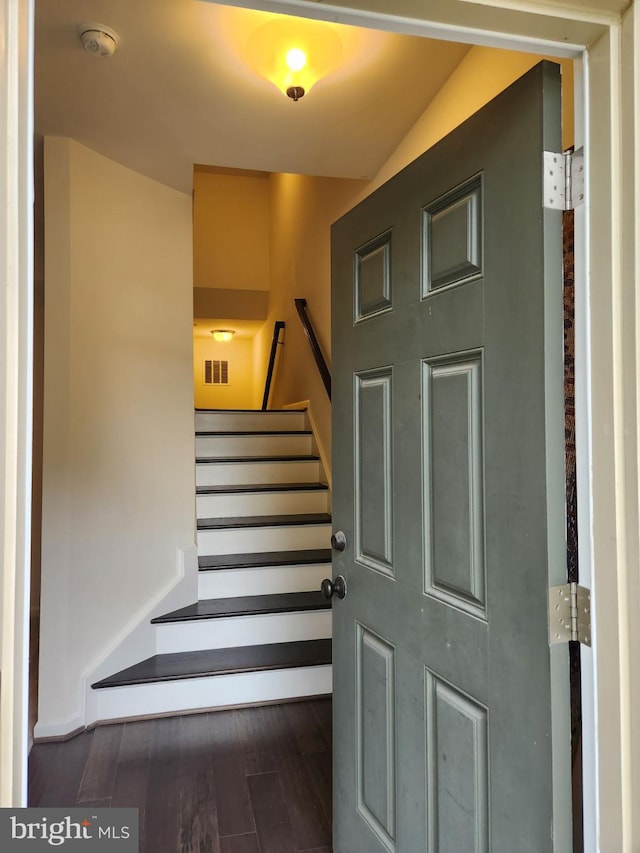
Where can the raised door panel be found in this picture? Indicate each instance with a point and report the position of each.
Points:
(374, 469)
(376, 734)
(372, 277)
(453, 478)
(457, 770)
(452, 233)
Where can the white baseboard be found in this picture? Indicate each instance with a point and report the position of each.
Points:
(58, 729)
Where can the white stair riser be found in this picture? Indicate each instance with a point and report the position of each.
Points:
(255, 630)
(229, 583)
(254, 445)
(262, 503)
(247, 421)
(251, 540)
(248, 473)
(221, 691)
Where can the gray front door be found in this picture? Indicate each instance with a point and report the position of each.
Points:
(451, 711)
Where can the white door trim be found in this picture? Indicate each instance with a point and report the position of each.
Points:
(548, 26)
(16, 322)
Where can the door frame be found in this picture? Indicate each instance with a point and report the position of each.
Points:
(607, 47)
(16, 372)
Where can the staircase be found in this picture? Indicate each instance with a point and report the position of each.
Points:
(260, 630)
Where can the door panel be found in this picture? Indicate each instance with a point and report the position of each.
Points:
(374, 470)
(457, 769)
(453, 481)
(451, 726)
(376, 748)
(453, 237)
(372, 290)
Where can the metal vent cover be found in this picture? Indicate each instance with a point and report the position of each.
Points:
(215, 372)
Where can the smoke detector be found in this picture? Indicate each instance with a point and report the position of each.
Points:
(98, 39)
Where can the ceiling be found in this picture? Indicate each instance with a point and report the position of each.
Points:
(180, 90)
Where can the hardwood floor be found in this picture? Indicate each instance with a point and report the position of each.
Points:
(255, 780)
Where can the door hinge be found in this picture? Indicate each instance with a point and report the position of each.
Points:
(563, 179)
(569, 614)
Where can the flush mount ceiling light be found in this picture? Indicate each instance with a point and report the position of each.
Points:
(294, 53)
(98, 39)
(222, 335)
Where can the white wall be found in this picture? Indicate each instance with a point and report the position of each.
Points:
(118, 476)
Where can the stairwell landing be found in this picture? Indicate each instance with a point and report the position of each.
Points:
(260, 630)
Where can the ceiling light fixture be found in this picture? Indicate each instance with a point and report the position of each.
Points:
(294, 53)
(295, 60)
(222, 335)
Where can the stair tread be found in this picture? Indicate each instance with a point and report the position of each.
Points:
(246, 605)
(207, 460)
(211, 662)
(244, 521)
(261, 487)
(253, 411)
(267, 558)
(260, 432)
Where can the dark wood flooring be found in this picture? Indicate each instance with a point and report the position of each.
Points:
(255, 780)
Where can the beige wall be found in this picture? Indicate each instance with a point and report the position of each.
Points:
(231, 230)
(118, 478)
(482, 74)
(301, 212)
(239, 304)
(238, 394)
(231, 257)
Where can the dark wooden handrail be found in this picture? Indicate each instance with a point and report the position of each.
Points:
(279, 324)
(321, 364)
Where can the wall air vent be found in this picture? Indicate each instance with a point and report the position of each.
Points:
(215, 372)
